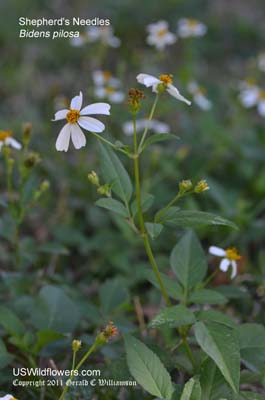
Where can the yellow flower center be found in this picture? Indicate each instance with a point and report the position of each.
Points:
(161, 32)
(232, 254)
(106, 75)
(72, 116)
(262, 95)
(166, 79)
(192, 23)
(4, 135)
(110, 89)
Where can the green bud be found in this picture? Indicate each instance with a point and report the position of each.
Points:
(76, 344)
(32, 159)
(93, 178)
(104, 190)
(26, 135)
(185, 186)
(201, 186)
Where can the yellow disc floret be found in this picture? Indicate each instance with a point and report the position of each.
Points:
(72, 116)
(106, 75)
(4, 135)
(162, 32)
(166, 79)
(262, 95)
(232, 254)
(192, 23)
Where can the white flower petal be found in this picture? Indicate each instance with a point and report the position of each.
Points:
(76, 102)
(1, 145)
(96, 108)
(60, 115)
(234, 269)
(116, 97)
(62, 142)
(13, 143)
(202, 102)
(7, 397)
(217, 251)
(113, 41)
(224, 264)
(261, 108)
(77, 136)
(173, 91)
(91, 124)
(147, 80)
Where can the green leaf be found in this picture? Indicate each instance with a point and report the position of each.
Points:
(221, 344)
(158, 137)
(10, 322)
(232, 292)
(215, 316)
(147, 200)
(192, 390)
(192, 219)
(113, 294)
(251, 335)
(54, 310)
(188, 261)
(147, 369)
(45, 337)
(113, 205)
(153, 230)
(115, 174)
(173, 288)
(213, 384)
(207, 296)
(54, 248)
(5, 357)
(174, 316)
(164, 216)
(251, 396)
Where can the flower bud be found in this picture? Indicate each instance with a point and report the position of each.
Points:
(93, 178)
(104, 190)
(32, 159)
(27, 128)
(201, 186)
(185, 186)
(135, 98)
(76, 344)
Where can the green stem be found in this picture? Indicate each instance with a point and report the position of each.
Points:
(189, 352)
(140, 148)
(111, 144)
(81, 362)
(144, 234)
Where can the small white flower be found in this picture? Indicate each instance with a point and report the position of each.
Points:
(109, 92)
(199, 96)
(249, 93)
(261, 62)
(7, 140)
(141, 124)
(103, 34)
(159, 35)
(230, 256)
(189, 27)
(77, 117)
(165, 80)
(261, 103)
(8, 397)
(80, 40)
(102, 78)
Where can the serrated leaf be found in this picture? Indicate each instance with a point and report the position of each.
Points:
(174, 316)
(251, 335)
(215, 316)
(158, 137)
(192, 390)
(147, 200)
(153, 230)
(113, 205)
(10, 322)
(147, 369)
(192, 219)
(213, 384)
(207, 296)
(221, 344)
(115, 174)
(188, 261)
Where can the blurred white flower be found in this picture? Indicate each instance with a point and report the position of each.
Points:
(103, 34)
(164, 81)
(7, 139)
(249, 92)
(189, 27)
(76, 117)
(8, 397)
(261, 103)
(261, 62)
(109, 92)
(141, 124)
(101, 78)
(199, 96)
(80, 40)
(159, 35)
(229, 257)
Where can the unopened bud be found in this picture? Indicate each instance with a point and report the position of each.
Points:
(93, 178)
(104, 190)
(32, 159)
(185, 186)
(76, 344)
(135, 98)
(201, 186)
(27, 128)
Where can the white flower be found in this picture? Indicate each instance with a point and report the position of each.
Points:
(199, 96)
(163, 80)
(249, 93)
(109, 92)
(76, 117)
(80, 40)
(188, 27)
(261, 62)
(7, 140)
(230, 256)
(159, 35)
(103, 34)
(8, 397)
(141, 124)
(102, 78)
(261, 103)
